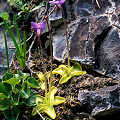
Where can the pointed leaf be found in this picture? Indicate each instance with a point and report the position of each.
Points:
(12, 81)
(62, 69)
(5, 16)
(7, 76)
(6, 89)
(5, 104)
(64, 79)
(16, 98)
(39, 100)
(33, 83)
(58, 100)
(53, 92)
(40, 108)
(23, 75)
(51, 112)
(12, 114)
(77, 73)
(25, 90)
(76, 67)
(31, 101)
(2, 95)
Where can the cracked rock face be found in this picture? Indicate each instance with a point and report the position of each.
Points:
(94, 35)
(101, 103)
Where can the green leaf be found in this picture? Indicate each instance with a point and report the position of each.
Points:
(12, 81)
(39, 100)
(58, 100)
(64, 79)
(23, 75)
(7, 76)
(6, 89)
(19, 40)
(12, 36)
(0, 80)
(33, 83)
(51, 112)
(25, 92)
(31, 101)
(1, 12)
(5, 16)
(6, 50)
(16, 98)
(2, 95)
(62, 69)
(53, 92)
(12, 114)
(5, 104)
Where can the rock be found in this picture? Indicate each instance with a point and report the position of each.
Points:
(101, 103)
(89, 30)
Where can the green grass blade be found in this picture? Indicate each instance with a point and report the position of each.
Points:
(12, 36)
(19, 41)
(24, 47)
(6, 49)
(4, 69)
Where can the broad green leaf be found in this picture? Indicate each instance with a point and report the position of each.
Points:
(64, 79)
(33, 83)
(40, 108)
(41, 77)
(31, 101)
(7, 76)
(16, 98)
(11, 114)
(77, 73)
(58, 100)
(5, 16)
(12, 81)
(53, 92)
(23, 75)
(5, 104)
(2, 95)
(6, 89)
(39, 99)
(51, 112)
(76, 67)
(25, 92)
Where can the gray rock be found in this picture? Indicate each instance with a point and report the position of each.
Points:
(89, 30)
(102, 102)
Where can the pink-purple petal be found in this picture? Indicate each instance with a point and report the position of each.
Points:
(62, 1)
(34, 25)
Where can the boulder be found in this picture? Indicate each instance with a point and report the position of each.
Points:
(102, 103)
(93, 34)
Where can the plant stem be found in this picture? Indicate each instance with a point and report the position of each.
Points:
(50, 84)
(66, 38)
(43, 70)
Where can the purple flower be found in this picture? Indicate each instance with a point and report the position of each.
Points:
(58, 2)
(38, 27)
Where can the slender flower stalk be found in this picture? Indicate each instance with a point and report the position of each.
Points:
(50, 84)
(59, 4)
(38, 27)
